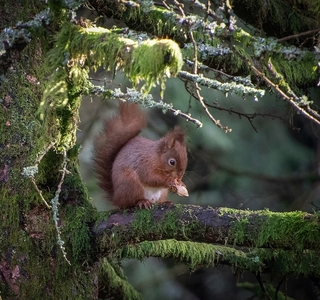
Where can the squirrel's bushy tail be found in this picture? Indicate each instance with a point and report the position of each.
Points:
(117, 131)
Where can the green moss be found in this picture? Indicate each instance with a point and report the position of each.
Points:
(294, 230)
(112, 281)
(79, 48)
(296, 72)
(153, 60)
(144, 222)
(277, 261)
(28, 235)
(194, 254)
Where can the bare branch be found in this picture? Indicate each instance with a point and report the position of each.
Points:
(298, 35)
(305, 110)
(197, 89)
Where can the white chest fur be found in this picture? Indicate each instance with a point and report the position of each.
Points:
(152, 194)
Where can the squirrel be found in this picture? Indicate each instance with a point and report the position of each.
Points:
(135, 171)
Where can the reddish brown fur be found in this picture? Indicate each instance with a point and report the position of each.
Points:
(126, 163)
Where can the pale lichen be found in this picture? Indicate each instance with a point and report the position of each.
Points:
(226, 87)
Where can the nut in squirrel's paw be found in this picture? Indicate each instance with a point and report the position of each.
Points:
(179, 188)
(182, 191)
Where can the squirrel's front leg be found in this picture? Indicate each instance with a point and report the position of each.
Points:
(127, 189)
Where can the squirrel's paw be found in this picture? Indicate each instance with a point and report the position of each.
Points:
(144, 203)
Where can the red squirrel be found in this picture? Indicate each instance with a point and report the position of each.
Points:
(135, 171)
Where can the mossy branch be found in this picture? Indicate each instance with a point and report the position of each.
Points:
(137, 97)
(297, 231)
(227, 87)
(78, 50)
(222, 45)
(299, 66)
(255, 241)
(196, 255)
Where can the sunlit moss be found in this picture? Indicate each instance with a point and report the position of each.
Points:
(78, 50)
(153, 60)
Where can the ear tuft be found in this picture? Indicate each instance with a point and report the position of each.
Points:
(169, 141)
(178, 134)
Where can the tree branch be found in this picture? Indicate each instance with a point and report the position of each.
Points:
(255, 241)
(292, 230)
(298, 35)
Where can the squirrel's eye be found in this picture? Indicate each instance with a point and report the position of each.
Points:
(171, 161)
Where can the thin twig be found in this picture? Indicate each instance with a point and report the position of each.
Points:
(39, 192)
(207, 10)
(278, 287)
(32, 170)
(294, 36)
(44, 152)
(305, 111)
(186, 116)
(179, 6)
(164, 3)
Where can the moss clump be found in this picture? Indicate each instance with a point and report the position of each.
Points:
(293, 230)
(194, 254)
(79, 49)
(153, 60)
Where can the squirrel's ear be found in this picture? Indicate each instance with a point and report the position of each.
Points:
(178, 134)
(166, 143)
(169, 141)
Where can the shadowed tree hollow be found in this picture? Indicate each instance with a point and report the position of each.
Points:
(215, 66)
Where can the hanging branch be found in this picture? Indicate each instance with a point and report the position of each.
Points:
(199, 97)
(260, 281)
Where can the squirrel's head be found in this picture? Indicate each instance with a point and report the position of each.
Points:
(173, 153)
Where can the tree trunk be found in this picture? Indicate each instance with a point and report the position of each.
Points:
(32, 263)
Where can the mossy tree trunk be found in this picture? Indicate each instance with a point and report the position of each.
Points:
(32, 264)
(54, 244)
